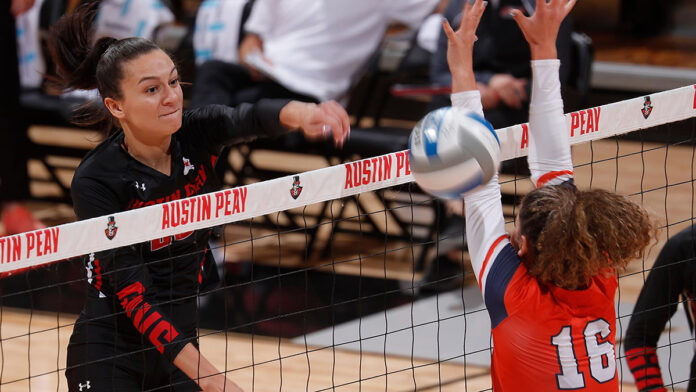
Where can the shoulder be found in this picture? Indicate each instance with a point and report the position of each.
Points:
(95, 184)
(102, 161)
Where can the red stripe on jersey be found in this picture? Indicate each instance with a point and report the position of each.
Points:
(652, 383)
(550, 176)
(636, 356)
(213, 159)
(645, 368)
(488, 257)
(165, 331)
(142, 311)
(97, 273)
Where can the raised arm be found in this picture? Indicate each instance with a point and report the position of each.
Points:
(549, 149)
(485, 224)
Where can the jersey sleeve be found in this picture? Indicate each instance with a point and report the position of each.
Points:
(549, 158)
(120, 273)
(217, 126)
(657, 303)
(493, 258)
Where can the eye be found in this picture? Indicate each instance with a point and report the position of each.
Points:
(151, 90)
(174, 82)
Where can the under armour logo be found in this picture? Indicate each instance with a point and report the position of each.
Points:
(188, 166)
(85, 385)
(140, 186)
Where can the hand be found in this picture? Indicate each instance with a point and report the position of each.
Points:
(317, 121)
(460, 46)
(250, 44)
(489, 98)
(512, 91)
(541, 29)
(19, 7)
(218, 383)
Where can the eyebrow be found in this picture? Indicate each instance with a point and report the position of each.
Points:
(155, 77)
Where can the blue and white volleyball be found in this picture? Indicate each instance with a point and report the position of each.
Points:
(453, 151)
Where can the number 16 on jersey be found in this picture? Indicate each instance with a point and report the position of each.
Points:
(599, 349)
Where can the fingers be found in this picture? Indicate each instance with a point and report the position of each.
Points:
(540, 4)
(328, 118)
(448, 30)
(568, 7)
(337, 112)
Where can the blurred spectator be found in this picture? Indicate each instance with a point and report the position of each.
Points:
(672, 280)
(14, 181)
(501, 60)
(304, 49)
(122, 19)
(218, 30)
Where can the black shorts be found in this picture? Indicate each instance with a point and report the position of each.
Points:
(95, 367)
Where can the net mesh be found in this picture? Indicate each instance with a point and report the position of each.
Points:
(370, 291)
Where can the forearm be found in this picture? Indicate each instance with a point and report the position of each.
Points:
(197, 367)
(645, 368)
(463, 78)
(549, 157)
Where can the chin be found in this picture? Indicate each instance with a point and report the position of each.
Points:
(171, 126)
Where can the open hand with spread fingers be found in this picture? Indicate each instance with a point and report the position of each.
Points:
(541, 29)
(460, 45)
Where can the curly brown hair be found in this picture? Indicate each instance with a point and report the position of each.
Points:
(575, 235)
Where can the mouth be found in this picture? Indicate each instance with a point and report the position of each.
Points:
(170, 114)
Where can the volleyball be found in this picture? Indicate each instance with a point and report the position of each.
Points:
(453, 151)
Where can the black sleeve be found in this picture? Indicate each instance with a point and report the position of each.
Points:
(217, 126)
(120, 272)
(656, 304)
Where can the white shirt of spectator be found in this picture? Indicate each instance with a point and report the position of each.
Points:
(31, 62)
(131, 18)
(317, 46)
(216, 36)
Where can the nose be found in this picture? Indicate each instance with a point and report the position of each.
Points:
(171, 96)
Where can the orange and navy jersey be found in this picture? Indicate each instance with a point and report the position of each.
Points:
(545, 338)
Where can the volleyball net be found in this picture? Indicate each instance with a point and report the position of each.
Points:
(348, 276)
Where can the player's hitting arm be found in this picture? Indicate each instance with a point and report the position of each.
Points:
(216, 126)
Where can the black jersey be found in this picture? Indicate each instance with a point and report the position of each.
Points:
(672, 280)
(145, 294)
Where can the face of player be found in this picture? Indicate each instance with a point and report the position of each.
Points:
(152, 99)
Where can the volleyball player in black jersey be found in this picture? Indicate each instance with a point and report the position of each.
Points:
(138, 328)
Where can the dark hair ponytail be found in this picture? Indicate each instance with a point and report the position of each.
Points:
(84, 65)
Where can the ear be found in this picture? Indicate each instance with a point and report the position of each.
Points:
(524, 246)
(114, 107)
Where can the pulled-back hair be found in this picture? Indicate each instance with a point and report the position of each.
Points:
(575, 235)
(84, 64)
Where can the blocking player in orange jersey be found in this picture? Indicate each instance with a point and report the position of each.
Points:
(549, 288)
